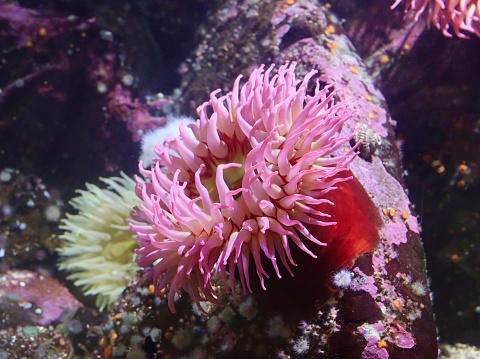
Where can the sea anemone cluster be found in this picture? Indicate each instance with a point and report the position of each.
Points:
(98, 248)
(243, 185)
(446, 15)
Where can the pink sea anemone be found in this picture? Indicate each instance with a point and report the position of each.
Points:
(459, 15)
(247, 184)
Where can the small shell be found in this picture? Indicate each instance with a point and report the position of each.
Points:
(370, 140)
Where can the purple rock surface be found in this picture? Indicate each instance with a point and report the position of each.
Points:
(28, 298)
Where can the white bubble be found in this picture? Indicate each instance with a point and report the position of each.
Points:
(52, 213)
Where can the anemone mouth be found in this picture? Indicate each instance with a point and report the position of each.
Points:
(233, 178)
(232, 175)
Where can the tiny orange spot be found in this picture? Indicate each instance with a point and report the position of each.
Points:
(396, 304)
(29, 43)
(290, 2)
(168, 335)
(455, 258)
(117, 316)
(404, 215)
(376, 110)
(371, 115)
(384, 210)
(113, 336)
(391, 212)
(461, 184)
(354, 70)
(384, 59)
(368, 97)
(382, 343)
(463, 169)
(101, 341)
(151, 289)
(332, 47)
(328, 5)
(107, 352)
(42, 31)
(329, 30)
(459, 123)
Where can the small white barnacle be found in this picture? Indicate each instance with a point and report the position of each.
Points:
(419, 289)
(343, 278)
(371, 140)
(301, 346)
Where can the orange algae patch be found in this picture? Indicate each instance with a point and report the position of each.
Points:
(463, 169)
(382, 343)
(384, 59)
(455, 258)
(332, 47)
(329, 30)
(354, 70)
(151, 289)
(107, 352)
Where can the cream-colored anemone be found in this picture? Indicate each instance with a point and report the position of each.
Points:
(99, 247)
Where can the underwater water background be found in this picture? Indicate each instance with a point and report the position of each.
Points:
(81, 83)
